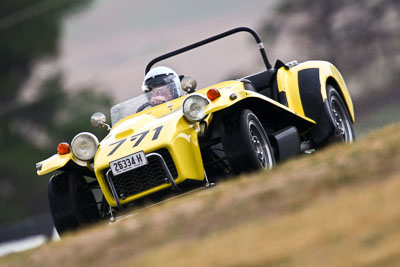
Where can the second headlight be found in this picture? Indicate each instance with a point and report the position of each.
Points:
(84, 146)
(194, 106)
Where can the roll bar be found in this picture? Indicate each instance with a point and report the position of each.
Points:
(212, 39)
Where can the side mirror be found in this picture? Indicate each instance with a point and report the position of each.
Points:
(98, 120)
(188, 84)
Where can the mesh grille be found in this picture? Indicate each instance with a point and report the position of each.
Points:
(145, 177)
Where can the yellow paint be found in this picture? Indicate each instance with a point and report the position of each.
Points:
(123, 134)
(288, 82)
(56, 162)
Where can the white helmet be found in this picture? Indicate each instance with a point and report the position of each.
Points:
(162, 77)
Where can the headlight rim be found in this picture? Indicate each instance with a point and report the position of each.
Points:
(191, 96)
(74, 149)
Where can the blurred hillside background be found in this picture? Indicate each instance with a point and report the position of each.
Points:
(62, 60)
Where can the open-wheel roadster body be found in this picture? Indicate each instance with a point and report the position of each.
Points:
(230, 127)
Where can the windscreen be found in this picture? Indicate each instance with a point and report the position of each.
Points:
(142, 102)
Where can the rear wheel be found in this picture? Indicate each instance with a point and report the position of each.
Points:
(246, 144)
(340, 117)
(72, 202)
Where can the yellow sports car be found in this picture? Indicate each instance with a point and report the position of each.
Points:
(173, 137)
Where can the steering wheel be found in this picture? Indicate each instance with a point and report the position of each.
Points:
(143, 107)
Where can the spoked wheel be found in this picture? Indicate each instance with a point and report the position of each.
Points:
(340, 116)
(246, 144)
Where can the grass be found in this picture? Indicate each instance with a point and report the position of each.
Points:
(337, 207)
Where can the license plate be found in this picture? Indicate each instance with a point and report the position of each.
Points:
(128, 163)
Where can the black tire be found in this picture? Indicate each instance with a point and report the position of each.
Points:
(246, 144)
(72, 203)
(340, 117)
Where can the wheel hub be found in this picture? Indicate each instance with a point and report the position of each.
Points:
(338, 120)
(340, 117)
(258, 148)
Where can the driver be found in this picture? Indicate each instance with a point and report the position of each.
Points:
(161, 84)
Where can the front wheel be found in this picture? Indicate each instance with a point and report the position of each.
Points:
(246, 144)
(72, 202)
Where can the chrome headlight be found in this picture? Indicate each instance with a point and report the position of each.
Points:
(194, 106)
(84, 145)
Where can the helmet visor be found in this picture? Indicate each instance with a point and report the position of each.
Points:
(158, 81)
